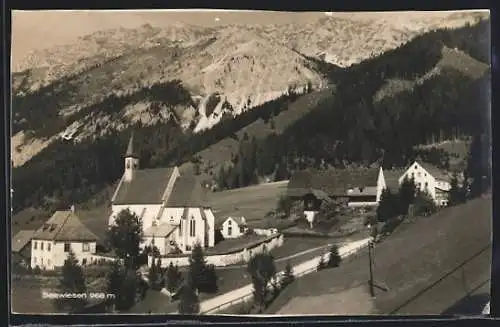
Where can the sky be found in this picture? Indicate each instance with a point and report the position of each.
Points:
(40, 29)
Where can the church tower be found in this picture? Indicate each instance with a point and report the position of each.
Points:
(131, 160)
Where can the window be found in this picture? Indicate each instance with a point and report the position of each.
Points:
(418, 185)
(35, 245)
(412, 175)
(415, 167)
(426, 184)
(171, 218)
(192, 230)
(67, 247)
(419, 174)
(128, 164)
(41, 246)
(229, 222)
(48, 262)
(242, 229)
(84, 261)
(49, 246)
(188, 248)
(85, 247)
(229, 230)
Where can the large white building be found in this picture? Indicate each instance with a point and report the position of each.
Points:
(63, 232)
(173, 209)
(430, 179)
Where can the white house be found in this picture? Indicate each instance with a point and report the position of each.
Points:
(63, 232)
(172, 207)
(233, 227)
(430, 179)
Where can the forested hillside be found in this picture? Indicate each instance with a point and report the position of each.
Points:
(442, 101)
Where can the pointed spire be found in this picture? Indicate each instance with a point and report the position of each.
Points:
(130, 148)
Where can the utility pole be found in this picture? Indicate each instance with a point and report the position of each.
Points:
(372, 282)
(370, 259)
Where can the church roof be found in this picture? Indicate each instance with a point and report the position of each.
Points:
(21, 239)
(130, 148)
(146, 187)
(187, 192)
(64, 226)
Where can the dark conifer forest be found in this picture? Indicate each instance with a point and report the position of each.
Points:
(347, 128)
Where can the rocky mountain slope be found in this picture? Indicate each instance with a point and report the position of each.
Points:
(358, 120)
(225, 70)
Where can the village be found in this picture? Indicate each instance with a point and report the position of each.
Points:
(199, 251)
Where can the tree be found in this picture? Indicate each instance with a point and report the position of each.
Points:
(321, 263)
(284, 205)
(456, 193)
(288, 276)
(72, 281)
(155, 275)
(388, 206)
(125, 236)
(478, 165)
(407, 192)
(174, 278)
(189, 302)
(203, 277)
(261, 269)
(334, 257)
(124, 284)
(424, 205)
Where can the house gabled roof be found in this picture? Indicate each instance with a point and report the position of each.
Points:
(435, 171)
(21, 239)
(334, 182)
(392, 178)
(146, 187)
(187, 192)
(64, 226)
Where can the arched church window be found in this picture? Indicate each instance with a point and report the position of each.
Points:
(128, 164)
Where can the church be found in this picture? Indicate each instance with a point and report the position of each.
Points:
(173, 207)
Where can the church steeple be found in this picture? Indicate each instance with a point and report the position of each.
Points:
(131, 160)
(130, 149)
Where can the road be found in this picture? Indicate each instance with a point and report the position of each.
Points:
(282, 259)
(241, 294)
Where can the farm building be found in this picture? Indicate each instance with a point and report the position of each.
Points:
(63, 232)
(21, 247)
(431, 179)
(361, 187)
(173, 208)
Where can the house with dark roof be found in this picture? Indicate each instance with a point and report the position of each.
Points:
(360, 187)
(174, 209)
(431, 179)
(21, 247)
(52, 242)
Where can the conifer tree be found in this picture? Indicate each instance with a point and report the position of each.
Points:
(72, 281)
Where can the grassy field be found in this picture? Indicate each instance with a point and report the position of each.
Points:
(252, 202)
(417, 255)
(26, 295)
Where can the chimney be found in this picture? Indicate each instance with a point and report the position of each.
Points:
(72, 208)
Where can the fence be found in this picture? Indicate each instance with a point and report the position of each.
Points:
(298, 272)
